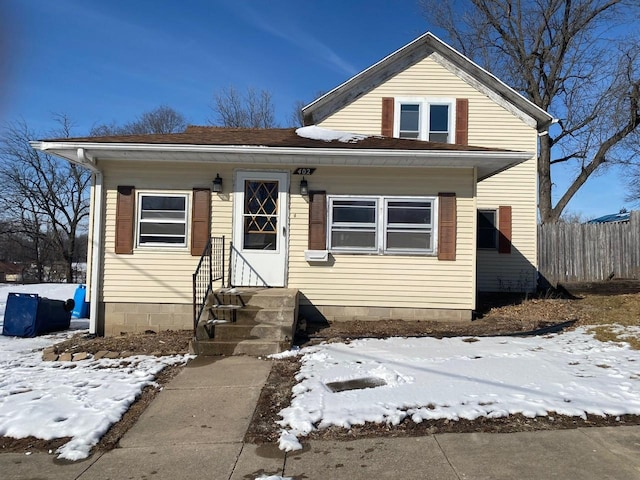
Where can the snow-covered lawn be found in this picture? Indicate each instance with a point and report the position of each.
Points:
(452, 378)
(66, 399)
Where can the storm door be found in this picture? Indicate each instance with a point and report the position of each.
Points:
(260, 235)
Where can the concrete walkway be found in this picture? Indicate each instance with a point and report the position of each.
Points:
(195, 427)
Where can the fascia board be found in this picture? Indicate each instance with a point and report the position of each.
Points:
(488, 162)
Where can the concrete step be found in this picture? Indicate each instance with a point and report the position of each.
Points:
(257, 348)
(268, 316)
(234, 331)
(264, 297)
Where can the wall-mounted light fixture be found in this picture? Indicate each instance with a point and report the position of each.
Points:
(217, 183)
(304, 187)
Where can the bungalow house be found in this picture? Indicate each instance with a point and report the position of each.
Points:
(412, 187)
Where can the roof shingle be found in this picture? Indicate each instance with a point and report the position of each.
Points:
(270, 137)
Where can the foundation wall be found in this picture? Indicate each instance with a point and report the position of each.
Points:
(118, 318)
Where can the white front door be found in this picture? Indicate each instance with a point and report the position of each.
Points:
(260, 213)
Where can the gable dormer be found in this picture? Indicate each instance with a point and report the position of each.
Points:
(430, 91)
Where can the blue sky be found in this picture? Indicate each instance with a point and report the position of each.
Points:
(111, 60)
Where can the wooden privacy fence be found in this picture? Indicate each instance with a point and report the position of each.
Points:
(583, 252)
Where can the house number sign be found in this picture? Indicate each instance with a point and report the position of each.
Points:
(304, 171)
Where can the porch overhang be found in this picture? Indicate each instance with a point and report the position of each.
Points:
(487, 163)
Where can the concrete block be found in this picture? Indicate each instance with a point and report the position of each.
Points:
(136, 319)
(100, 354)
(49, 357)
(80, 356)
(65, 357)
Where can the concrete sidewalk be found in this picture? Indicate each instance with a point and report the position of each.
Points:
(194, 429)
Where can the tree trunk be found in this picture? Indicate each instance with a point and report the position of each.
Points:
(544, 182)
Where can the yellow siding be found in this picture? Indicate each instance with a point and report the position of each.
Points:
(164, 275)
(413, 281)
(158, 275)
(490, 125)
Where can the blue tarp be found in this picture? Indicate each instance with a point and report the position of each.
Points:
(29, 315)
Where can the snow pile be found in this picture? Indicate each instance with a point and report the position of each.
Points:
(81, 399)
(426, 378)
(318, 133)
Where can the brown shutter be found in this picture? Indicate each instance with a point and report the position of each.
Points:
(387, 116)
(504, 229)
(200, 220)
(125, 207)
(447, 226)
(462, 121)
(317, 220)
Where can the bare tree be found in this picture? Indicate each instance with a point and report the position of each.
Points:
(572, 58)
(297, 118)
(43, 198)
(253, 109)
(162, 119)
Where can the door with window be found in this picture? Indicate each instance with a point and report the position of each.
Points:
(260, 234)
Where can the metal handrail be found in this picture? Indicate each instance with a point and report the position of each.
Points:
(240, 267)
(210, 269)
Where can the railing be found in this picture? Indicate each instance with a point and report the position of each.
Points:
(241, 272)
(210, 269)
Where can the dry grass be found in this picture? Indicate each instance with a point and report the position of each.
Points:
(600, 313)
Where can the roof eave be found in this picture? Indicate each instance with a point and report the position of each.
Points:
(488, 162)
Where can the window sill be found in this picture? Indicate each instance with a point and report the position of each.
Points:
(384, 254)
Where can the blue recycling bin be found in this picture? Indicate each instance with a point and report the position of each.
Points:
(81, 308)
(29, 315)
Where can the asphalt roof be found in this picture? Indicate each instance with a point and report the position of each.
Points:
(271, 137)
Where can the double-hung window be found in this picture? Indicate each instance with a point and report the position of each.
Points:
(382, 225)
(409, 225)
(425, 119)
(353, 224)
(162, 220)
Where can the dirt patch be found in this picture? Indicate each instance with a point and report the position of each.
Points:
(166, 342)
(275, 395)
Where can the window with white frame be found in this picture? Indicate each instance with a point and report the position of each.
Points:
(425, 119)
(384, 225)
(162, 219)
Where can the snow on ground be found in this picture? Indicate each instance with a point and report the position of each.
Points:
(66, 399)
(452, 378)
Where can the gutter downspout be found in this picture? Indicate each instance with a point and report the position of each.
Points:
(94, 294)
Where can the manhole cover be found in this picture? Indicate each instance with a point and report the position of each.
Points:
(355, 384)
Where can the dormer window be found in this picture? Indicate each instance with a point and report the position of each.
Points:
(409, 120)
(425, 119)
